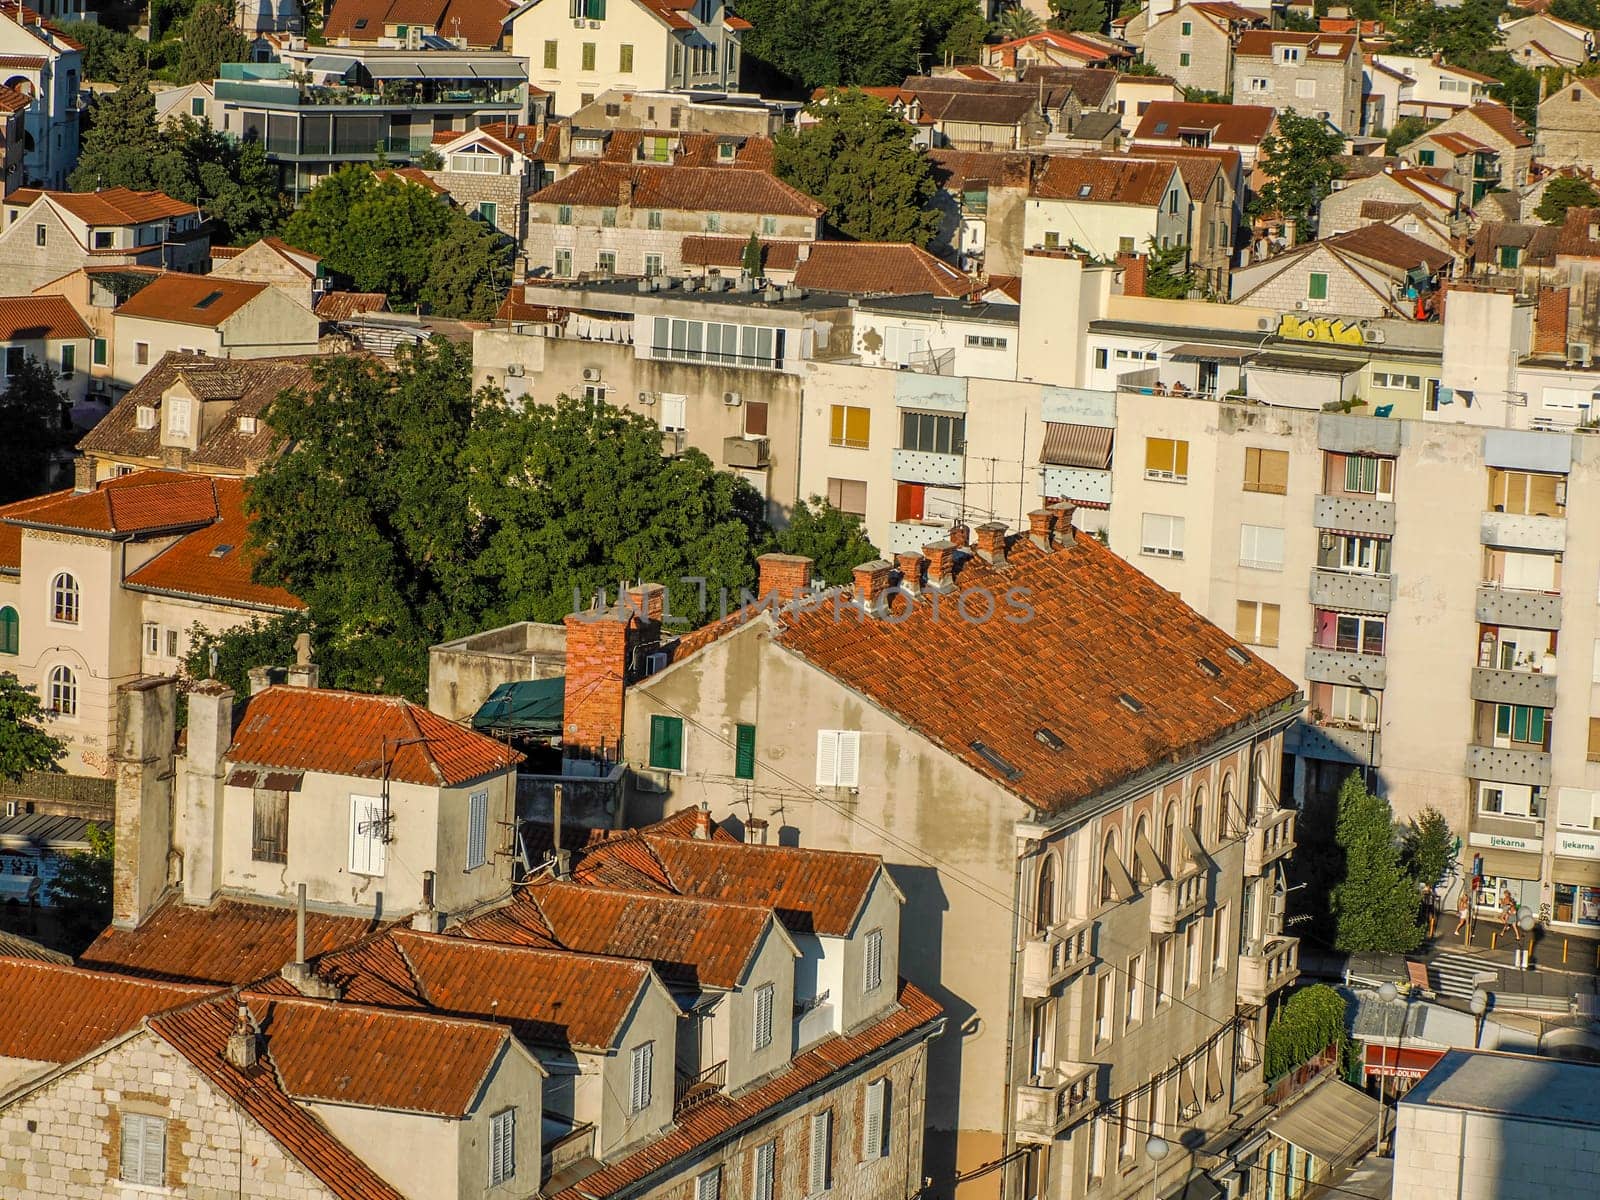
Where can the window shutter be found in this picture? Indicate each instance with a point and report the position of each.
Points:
(477, 830)
(708, 1185)
(132, 1147)
(744, 752)
(849, 757)
(642, 1063)
(666, 743)
(766, 1162)
(827, 758)
(877, 1095)
(821, 1129)
(153, 1158)
(872, 974)
(367, 851)
(763, 1037)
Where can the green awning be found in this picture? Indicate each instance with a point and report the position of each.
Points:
(526, 706)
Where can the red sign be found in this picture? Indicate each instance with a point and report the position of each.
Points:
(1400, 1062)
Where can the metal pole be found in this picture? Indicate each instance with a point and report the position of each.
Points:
(1383, 1063)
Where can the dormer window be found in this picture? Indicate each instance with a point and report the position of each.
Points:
(726, 151)
(178, 418)
(145, 417)
(586, 145)
(1289, 54)
(247, 424)
(104, 239)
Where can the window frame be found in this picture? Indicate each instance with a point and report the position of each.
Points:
(374, 864)
(1172, 546)
(62, 691)
(1261, 481)
(872, 962)
(1317, 285)
(503, 1146)
(134, 1130)
(66, 599)
(841, 421)
(662, 756)
(10, 630)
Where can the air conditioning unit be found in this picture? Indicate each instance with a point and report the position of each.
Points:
(515, 370)
(731, 399)
(647, 397)
(1373, 337)
(1578, 353)
(1279, 904)
(579, 23)
(1302, 305)
(591, 374)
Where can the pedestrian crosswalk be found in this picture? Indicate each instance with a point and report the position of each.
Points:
(1456, 974)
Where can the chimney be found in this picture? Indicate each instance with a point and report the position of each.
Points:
(596, 681)
(702, 823)
(143, 758)
(82, 474)
(755, 831)
(1042, 528)
(992, 543)
(960, 537)
(426, 918)
(648, 600)
(1064, 510)
(1550, 321)
(204, 769)
(260, 679)
(244, 1043)
(909, 565)
(941, 558)
(304, 673)
(300, 924)
(1133, 273)
(625, 191)
(872, 581)
(783, 577)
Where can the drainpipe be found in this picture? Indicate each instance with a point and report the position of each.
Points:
(1007, 1115)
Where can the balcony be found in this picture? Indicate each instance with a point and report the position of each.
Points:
(673, 442)
(565, 1151)
(1345, 742)
(1501, 764)
(1513, 687)
(1268, 968)
(1351, 593)
(1083, 484)
(1355, 514)
(691, 1091)
(1055, 1100)
(927, 466)
(1056, 956)
(1173, 901)
(1346, 666)
(906, 537)
(1268, 840)
(1520, 531)
(745, 451)
(384, 93)
(1518, 607)
(1345, 434)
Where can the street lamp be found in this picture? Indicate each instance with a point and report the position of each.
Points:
(1156, 1149)
(1479, 1004)
(1387, 993)
(1525, 949)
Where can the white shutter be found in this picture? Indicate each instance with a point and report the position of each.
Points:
(827, 758)
(478, 830)
(132, 1147)
(709, 1185)
(877, 1095)
(144, 1150)
(367, 850)
(821, 1129)
(763, 1037)
(849, 757)
(891, 344)
(640, 1079)
(766, 1160)
(872, 975)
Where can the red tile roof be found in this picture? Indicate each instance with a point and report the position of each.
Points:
(413, 175)
(113, 206)
(877, 268)
(1228, 124)
(1500, 119)
(13, 101)
(24, 318)
(346, 733)
(204, 300)
(691, 149)
(341, 306)
(703, 250)
(57, 1014)
(227, 942)
(22, 62)
(1260, 43)
(1093, 180)
(141, 503)
(1385, 244)
(478, 21)
(683, 189)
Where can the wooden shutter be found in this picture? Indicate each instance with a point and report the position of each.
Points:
(872, 975)
(1213, 1074)
(836, 424)
(502, 1146)
(666, 743)
(1594, 739)
(477, 830)
(641, 1082)
(1188, 1102)
(132, 1148)
(755, 418)
(873, 1146)
(849, 758)
(763, 1037)
(269, 841)
(1269, 624)
(144, 1150)
(827, 758)
(744, 752)
(766, 1162)
(821, 1132)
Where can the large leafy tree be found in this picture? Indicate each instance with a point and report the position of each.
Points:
(210, 38)
(1564, 192)
(1426, 847)
(831, 538)
(1469, 35)
(81, 890)
(857, 158)
(123, 140)
(34, 428)
(1298, 159)
(25, 743)
(1375, 905)
(469, 270)
(837, 43)
(109, 55)
(1086, 15)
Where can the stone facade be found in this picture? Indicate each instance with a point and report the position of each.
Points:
(1201, 58)
(1569, 125)
(508, 193)
(1312, 85)
(1287, 287)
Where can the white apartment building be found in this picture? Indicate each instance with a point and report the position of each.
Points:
(44, 64)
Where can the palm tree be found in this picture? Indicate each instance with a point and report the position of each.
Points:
(1015, 22)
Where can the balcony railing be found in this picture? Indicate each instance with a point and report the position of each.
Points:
(1269, 839)
(906, 537)
(1055, 956)
(1175, 900)
(1501, 764)
(1355, 514)
(693, 1090)
(1522, 531)
(744, 451)
(1351, 592)
(1267, 968)
(1327, 665)
(1513, 687)
(1520, 608)
(1055, 1099)
(720, 358)
(928, 466)
(1343, 742)
(566, 1152)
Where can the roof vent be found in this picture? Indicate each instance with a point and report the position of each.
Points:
(1046, 736)
(1238, 656)
(1210, 668)
(992, 757)
(222, 550)
(1129, 703)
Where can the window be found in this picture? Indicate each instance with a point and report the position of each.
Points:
(1510, 257)
(563, 214)
(145, 417)
(178, 417)
(69, 360)
(143, 1150)
(606, 262)
(933, 433)
(1353, 705)
(875, 1123)
(848, 496)
(1219, 940)
(666, 743)
(1305, 89)
(563, 264)
(1183, 58)
(1508, 800)
(1425, 158)
(652, 265)
(1266, 471)
(838, 757)
(744, 752)
(673, 412)
(1255, 623)
(477, 830)
(763, 1027)
(713, 341)
(1166, 458)
(588, 56)
(1044, 908)
(1362, 555)
(1104, 1014)
(850, 426)
(40, 235)
(1261, 547)
(269, 828)
(708, 1184)
(1394, 381)
(63, 691)
(197, 106)
(64, 597)
(872, 973)
(1259, 84)
(488, 211)
(10, 629)
(1520, 724)
(1161, 535)
(98, 352)
(1101, 358)
(766, 1161)
(652, 219)
(141, 353)
(821, 1153)
(982, 342)
(1317, 286)
(1368, 476)
(1527, 494)
(1133, 992)
(1578, 809)
(1290, 54)
(1094, 1131)
(608, 217)
(1191, 956)
(1164, 964)
(625, 58)
(16, 357)
(640, 1067)
(1358, 634)
(769, 226)
(1186, 28)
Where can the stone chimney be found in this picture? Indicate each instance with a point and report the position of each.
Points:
(1042, 528)
(1064, 511)
(910, 565)
(755, 831)
(783, 577)
(260, 679)
(210, 733)
(82, 474)
(143, 756)
(872, 580)
(304, 673)
(596, 681)
(702, 823)
(1550, 321)
(244, 1043)
(1134, 269)
(992, 543)
(625, 191)
(941, 558)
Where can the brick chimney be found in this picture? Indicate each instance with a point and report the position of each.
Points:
(596, 681)
(960, 536)
(941, 558)
(910, 566)
(1550, 321)
(1064, 511)
(1133, 273)
(783, 577)
(1042, 528)
(82, 474)
(992, 543)
(648, 600)
(702, 823)
(872, 580)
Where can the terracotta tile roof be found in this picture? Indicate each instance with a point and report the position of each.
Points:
(1260, 43)
(692, 149)
(683, 189)
(1229, 12)
(877, 268)
(113, 206)
(294, 255)
(1228, 124)
(1572, 239)
(215, 563)
(1387, 245)
(1091, 85)
(978, 106)
(515, 307)
(1060, 41)
(14, 945)
(626, 861)
(24, 318)
(549, 997)
(514, 924)
(1456, 143)
(1500, 119)
(12, 101)
(500, 135)
(1384, 210)
(144, 502)
(223, 253)
(200, 1033)
(204, 300)
(703, 250)
(413, 175)
(1092, 180)
(1008, 285)
(346, 733)
(976, 72)
(57, 1014)
(955, 168)
(227, 942)
(22, 62)
(478, 21)
(1196, 164)
(33, 22)
(11, 535)
(669, 12)
(719, 1116)
(681, 824)
(341, 306)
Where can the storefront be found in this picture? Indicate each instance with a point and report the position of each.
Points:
(1506, 863)
(1576, 868)
(1398, 1066)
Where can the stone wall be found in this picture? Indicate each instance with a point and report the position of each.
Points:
(507, 193)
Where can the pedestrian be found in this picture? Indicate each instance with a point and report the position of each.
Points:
(1464, 916)
(1508, 913)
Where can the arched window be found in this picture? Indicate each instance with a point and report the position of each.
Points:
(64, 691)
(1169, 838)
(1141, 830)
(10, 630)
(1197, 815)
(1263, 783)
(1108, 851)
(64, 599)
(1225, 805)
(1044, 912)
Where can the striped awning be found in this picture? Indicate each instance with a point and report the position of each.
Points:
(1067, 445)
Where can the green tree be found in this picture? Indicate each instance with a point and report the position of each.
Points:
(469, 270)
(1375, 904)
(1015, 21)
(1087, 16)
(831, 538)
(1308, 1023)
(32, 416)
(1406, 130)
(231, 180)
(1298, 159)
(857, 158)
(166, 16)
(25, 743)
(122, 142)
(81, 889)
(262, 642)
(1564, 192)
(210, 38)
(835, 43)
(1426, 847)
(1162, 277)
(109, 55)
(1579, 12)
(750, 261)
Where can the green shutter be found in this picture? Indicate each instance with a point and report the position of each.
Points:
(666, 743)
(1536, 726)
(1319, 286)
(9, 626)
(744, 752)
(99, 352)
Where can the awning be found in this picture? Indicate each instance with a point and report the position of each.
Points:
(267, 781)
(1510, 864)
(394, 69)
(331, 62)
(1067, 445)
(1333, 1122)
(1194, 352)
(525, 706)
(1400, 1062)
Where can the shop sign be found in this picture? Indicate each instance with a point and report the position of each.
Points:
(1577, 845)
(1504, 841)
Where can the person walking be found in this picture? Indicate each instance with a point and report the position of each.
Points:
(1508, 913)
(1464, 917)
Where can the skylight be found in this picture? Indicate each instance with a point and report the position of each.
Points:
(992, 757)
(1210, 668)
(1238, 656)
(222, 550)
(1129, 703)
(208, 300)
(1046, 736)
